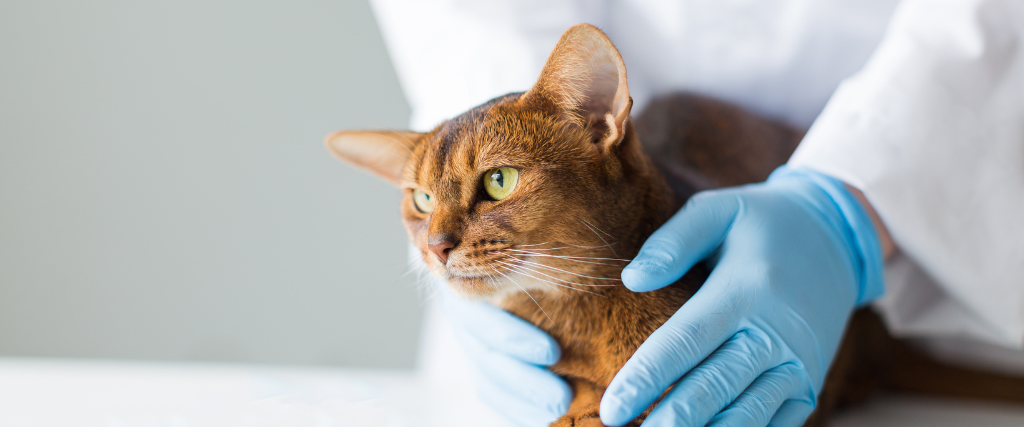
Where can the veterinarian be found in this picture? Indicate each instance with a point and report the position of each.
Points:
(915, 154)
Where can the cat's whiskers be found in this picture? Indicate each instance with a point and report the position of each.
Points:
(510, 270)
(519, 269)
(525, 263)
(514, 260)
(561, 271)
(491, 280)
(522, 245)
(570, 257)
(565, 243)
(566, 246)
(584, 259)
(548, 284)
(594, 230)
(413, 265)
(594, 227)
(524, 291)
(423, 281)
(588, 247)
(547, 249)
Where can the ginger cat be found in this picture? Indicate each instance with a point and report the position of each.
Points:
(535, 201)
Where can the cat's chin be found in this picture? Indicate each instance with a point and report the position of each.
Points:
(474, 287)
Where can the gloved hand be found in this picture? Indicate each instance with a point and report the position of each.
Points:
(791, 259)
(510, 355)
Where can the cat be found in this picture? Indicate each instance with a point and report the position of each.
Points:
(535, 201)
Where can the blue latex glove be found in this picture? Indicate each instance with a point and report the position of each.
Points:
(509, 354)
(791, 259)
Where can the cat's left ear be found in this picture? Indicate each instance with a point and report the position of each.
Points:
(384, 153)
(585, 78)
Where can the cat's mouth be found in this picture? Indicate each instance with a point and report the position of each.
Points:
(484, 273)
(475, 285)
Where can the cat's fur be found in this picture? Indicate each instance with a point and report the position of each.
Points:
(588, 196)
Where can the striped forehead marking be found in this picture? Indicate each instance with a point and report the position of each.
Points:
(451, 152)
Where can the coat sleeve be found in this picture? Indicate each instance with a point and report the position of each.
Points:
(932, 131)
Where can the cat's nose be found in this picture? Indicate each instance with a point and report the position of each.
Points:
(442, 246)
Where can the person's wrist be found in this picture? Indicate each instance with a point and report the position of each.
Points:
(884, 238)
(854, 223)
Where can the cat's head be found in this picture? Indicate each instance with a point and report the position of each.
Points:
(542, 190)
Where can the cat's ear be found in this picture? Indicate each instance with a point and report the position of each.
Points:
(384, 153)
(585, 78)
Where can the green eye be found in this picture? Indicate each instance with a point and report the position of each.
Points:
(499, 182)
(423, 201)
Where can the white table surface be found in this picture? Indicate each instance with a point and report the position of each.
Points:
(67, 392)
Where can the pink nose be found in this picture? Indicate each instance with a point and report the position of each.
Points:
(441, 246)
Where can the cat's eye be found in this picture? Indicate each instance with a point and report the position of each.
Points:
(423, 201)
(499, 182)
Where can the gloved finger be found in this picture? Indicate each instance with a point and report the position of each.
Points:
(530, 384)
(715, 383)
(762, 400)
(501, 331)
(519, 411)
(793, 413)
(699, 327)
(688, 237)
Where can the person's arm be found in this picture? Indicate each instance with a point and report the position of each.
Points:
(932, 132)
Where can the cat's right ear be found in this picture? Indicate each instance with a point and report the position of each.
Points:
(585, 78)
(384, 153)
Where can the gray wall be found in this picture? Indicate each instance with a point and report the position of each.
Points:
(165, 194)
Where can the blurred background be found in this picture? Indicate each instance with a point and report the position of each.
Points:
(165, 193)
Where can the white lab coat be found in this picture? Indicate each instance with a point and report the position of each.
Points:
(920, 105)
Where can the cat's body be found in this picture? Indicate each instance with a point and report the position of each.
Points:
(697, 144)
(536, 201)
